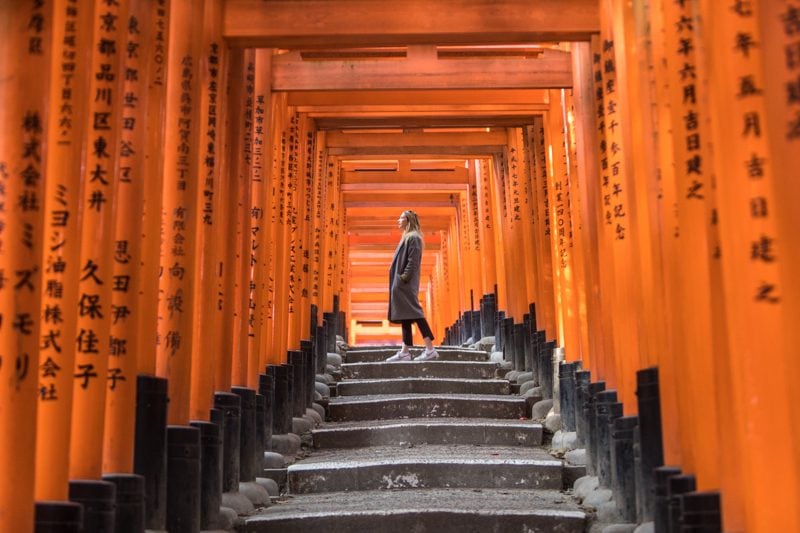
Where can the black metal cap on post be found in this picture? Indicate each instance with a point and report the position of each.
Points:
(210, 471)
(623, 478)
(651, 447)
(183, 478)
(566, 390)
(677, 486)
(519, 346)
(701, 512)
(231, 405)
(582, 378)
(247, 433)
(601, 453)
(266, 388)
(660, 496)
(297, 360)
(58, 517)
(288, 411)
(591, 426)
(99, 502)
(129, 512)
(150, 447)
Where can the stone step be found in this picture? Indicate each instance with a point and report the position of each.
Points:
(393, 406)
(449, 466)
(478, 431)
(423, 510)
(445, 354)
(422, 386)
(420, 369)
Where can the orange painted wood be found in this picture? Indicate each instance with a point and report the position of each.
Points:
(98, 280)
(471, 100)
(181, 170)
(155, 73)
(752, 256)
(26, 28)
(260, 214)
(210, 237)
(314, 23)
(422, 69)
(66, 138)
(242, 164)
(120, 412)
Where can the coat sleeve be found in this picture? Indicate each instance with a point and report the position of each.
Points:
(413, 255)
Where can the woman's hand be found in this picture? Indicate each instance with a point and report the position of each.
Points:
(404, 277)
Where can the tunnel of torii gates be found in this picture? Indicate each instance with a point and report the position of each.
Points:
(187, 187)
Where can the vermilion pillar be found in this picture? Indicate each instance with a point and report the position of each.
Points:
(66, 138)
(25, 47)
(97, 279)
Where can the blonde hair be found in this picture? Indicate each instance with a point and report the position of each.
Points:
(412, 225)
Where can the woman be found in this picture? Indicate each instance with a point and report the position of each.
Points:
(404, 289)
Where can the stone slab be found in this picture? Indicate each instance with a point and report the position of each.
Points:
(445, 354)
(419, 369)
(422, 386)
(430, 510)
(426, 431)
(426, 406)
(453, 466)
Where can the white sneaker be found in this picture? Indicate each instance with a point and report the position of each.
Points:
(399, 356)
(427, 356)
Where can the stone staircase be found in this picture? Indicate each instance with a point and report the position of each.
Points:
(424, 446)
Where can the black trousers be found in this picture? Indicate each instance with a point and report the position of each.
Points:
(422, 325)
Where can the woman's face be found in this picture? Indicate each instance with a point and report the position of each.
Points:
(402, 222)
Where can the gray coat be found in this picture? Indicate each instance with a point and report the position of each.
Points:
(404, 295)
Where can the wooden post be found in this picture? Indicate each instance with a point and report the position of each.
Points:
(751, 173)
(181, 161)
(25, 47)
(66, 137)
(208, 314)
(486, 227)
(155, 73)
(97, 279)
(129, 181)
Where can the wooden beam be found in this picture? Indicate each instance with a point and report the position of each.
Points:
(422, 69)
(430, 141)
(307, 101)
(352, 23)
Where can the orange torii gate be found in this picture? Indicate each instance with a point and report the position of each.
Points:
(174, 200)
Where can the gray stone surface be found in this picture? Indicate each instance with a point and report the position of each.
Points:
(540, 409)
(330, 370)
(318, 396)
(646, 527)
(528, 385)
(226, 518)
(301, 426)
(334, 359)
(274, 460)
(445, 354)
(254, 492)
(321, 378)
(426, 405)
(423, 385)
(269, 485)
(322, 389)
(496, 357)
(479, 431)
(564, 441)
(608, 513)
(524, 377)
(319, 409)
(597, 497)
(552, 422)
(315, 416)
(585, 485)
(620, 528)
(286, 444)
(238, 502)
(576, 457)
(512, 375)
(425, 467)
(430, 510)
(428, 369)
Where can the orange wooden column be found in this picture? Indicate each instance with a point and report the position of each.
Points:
(464, 252)
(693, 339)
(498, 214)
(780, 101)
(208, 315)
(561, 234)
(97, 281)
(542, 228)
(750, 174)
(587, 163)
(260, 219)
(154, 71)
(486, 227)
(228, 198)
(120, 413)
(25, 46)
(332, 196)
(305, 227)
(318, 231)
(181, 162)
(474, 237)
(66, 135)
